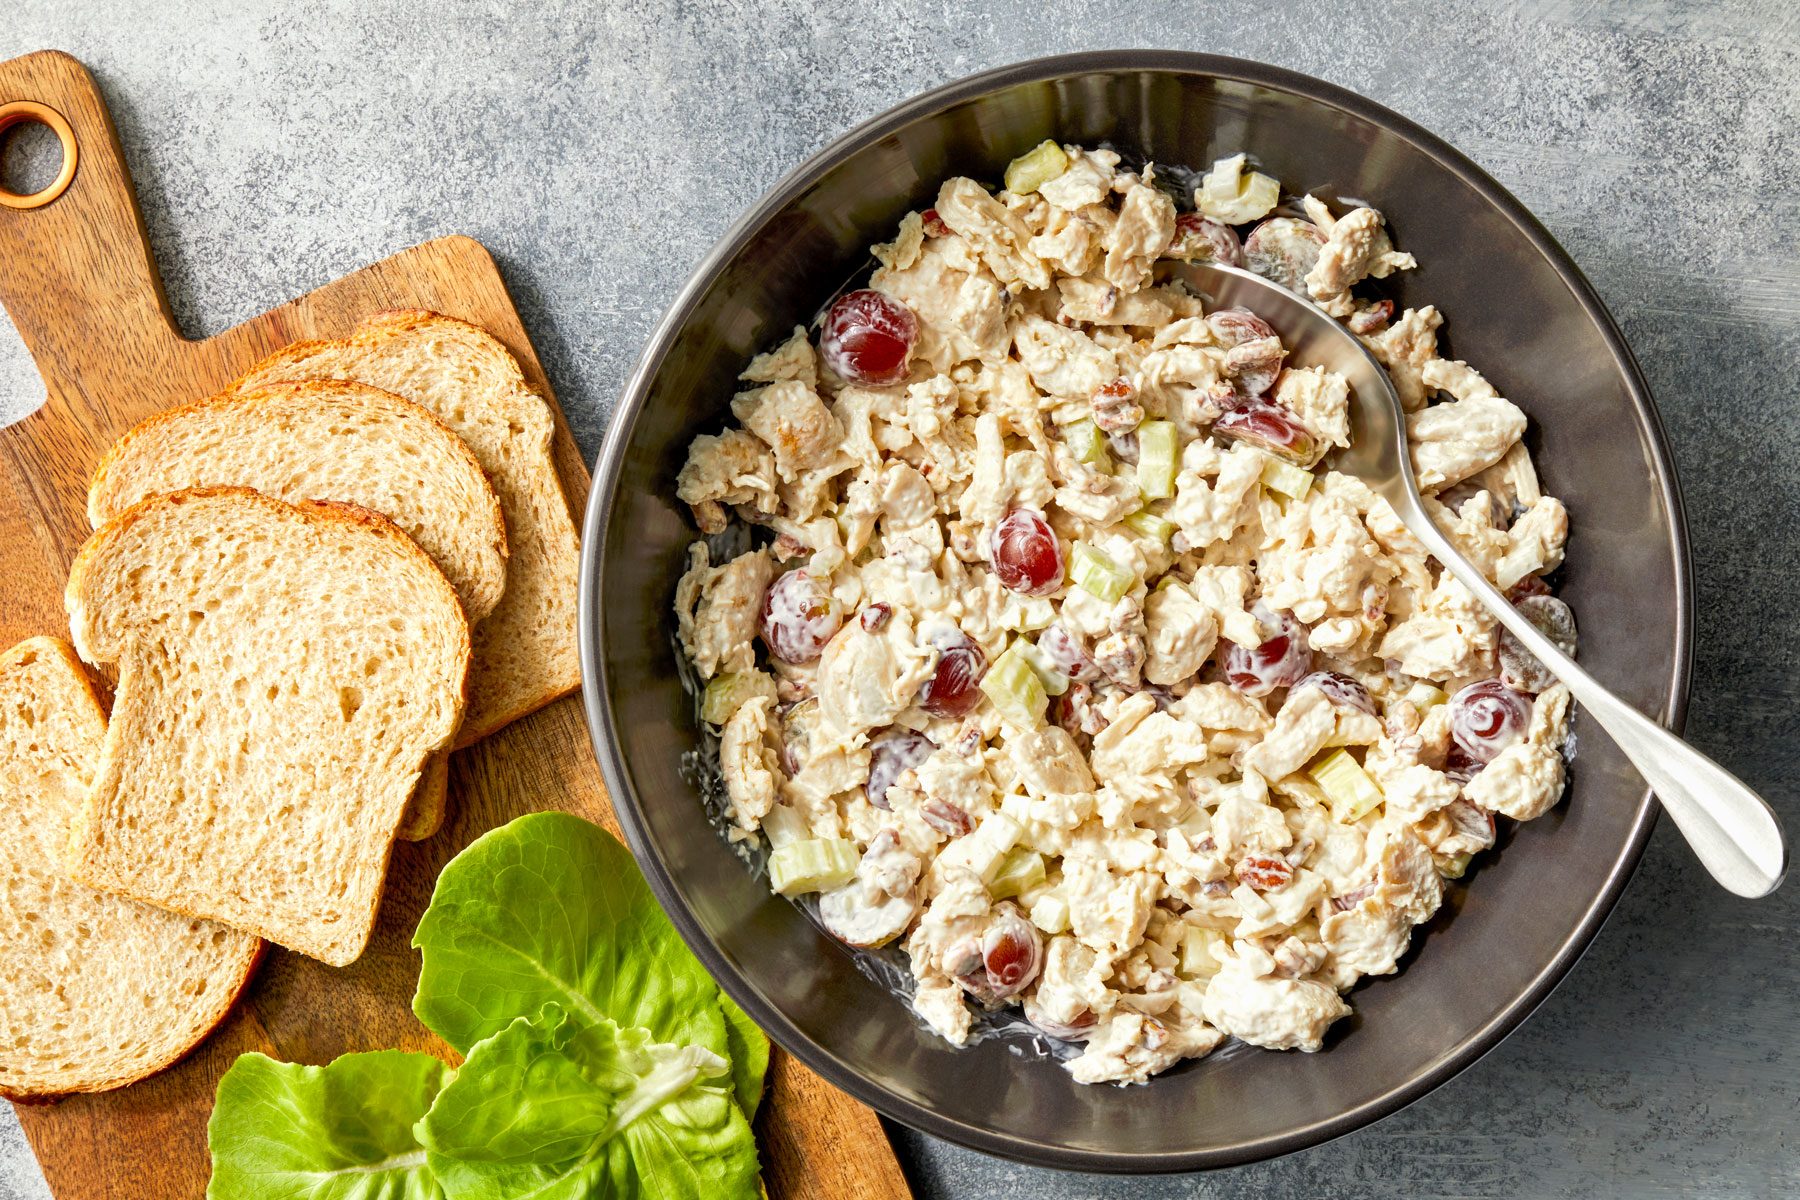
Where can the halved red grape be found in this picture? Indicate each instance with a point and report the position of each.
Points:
(1519, 667)
(1269, 427)
(799, 721)
(1078, 1029)
(1012, 952)
(1265, 873)
(1284, 249)
(1340, 689)
(1235, 326)
(934, 224)
(1531, 585)
(953, 688)
(863, 918)
(798, 617)
(1487, 717)
(946, 818)
(1459, 766)
(1255, 365)
(1283, 660)
(1027, 557)
(893, 752)
(1200, 238)
(1066, 652)
(868, 338)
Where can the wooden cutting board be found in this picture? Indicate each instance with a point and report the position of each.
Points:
(78, 278)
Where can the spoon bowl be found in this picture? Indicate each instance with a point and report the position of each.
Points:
(1731, 829)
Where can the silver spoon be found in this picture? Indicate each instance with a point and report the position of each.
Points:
(1732, 831)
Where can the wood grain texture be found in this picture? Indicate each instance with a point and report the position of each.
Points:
(78, 280)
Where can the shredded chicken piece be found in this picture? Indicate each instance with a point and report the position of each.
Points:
(1356, 248)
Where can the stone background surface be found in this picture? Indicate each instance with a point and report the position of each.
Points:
(599, 148)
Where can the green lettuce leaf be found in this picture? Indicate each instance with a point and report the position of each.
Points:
(551, 909)
(281, 1131)
(749, 1055)
(555, 1109)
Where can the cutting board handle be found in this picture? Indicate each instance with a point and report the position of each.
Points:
(81, 263)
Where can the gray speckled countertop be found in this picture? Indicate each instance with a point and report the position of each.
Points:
(599, 148)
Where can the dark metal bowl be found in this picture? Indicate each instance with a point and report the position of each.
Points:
(1515, 306)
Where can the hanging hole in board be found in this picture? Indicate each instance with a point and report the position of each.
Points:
(37, 154)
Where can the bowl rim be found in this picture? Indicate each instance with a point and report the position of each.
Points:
(603, 731)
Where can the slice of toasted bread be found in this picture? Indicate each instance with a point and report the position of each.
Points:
(329, 440)
(285, 671)
(95, 991)
(525, 652)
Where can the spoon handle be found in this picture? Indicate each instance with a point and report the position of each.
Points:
(1732, 830)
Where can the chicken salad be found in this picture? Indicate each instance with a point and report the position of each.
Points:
(1067, 664)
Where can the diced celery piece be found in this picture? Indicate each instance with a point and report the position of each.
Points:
(1235, 196)
(1087, 444)
(1036, 167)
(1023, 614)
(1054, 681)
(1300, 790)
(730, 692)
(1098, 574)
(1353, 794)
(1454, 866)
(1424, 695)
(984, 850)
(815, 865)
(1197, 961)
(784, 826)
(1020, 871)
(1050, 913)
(1151, 526)
(1287, 479)
(1159, 458)
(1258, 194)
(1015, 689)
